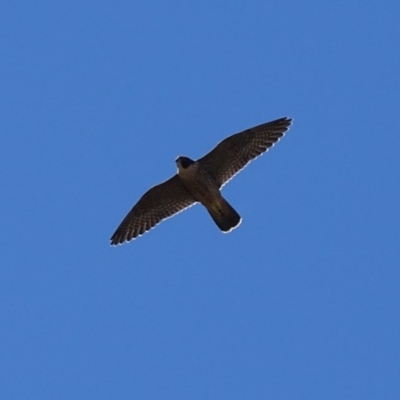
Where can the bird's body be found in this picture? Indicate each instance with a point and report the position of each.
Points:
(205, 190)
(200, 182)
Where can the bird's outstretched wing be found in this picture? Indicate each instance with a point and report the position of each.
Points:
(235, 152)
(158, 203)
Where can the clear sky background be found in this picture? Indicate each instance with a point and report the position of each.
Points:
(301, 302)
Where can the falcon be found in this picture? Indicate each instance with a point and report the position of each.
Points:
(201, 182)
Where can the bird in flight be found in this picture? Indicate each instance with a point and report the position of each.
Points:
(201, 182)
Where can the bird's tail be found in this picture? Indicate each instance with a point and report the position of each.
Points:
(224, 215)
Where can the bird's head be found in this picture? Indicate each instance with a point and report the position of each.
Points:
(184, 162)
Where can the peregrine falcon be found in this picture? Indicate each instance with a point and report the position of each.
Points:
(201, 182)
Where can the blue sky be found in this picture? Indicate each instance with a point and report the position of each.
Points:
(302, 301)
